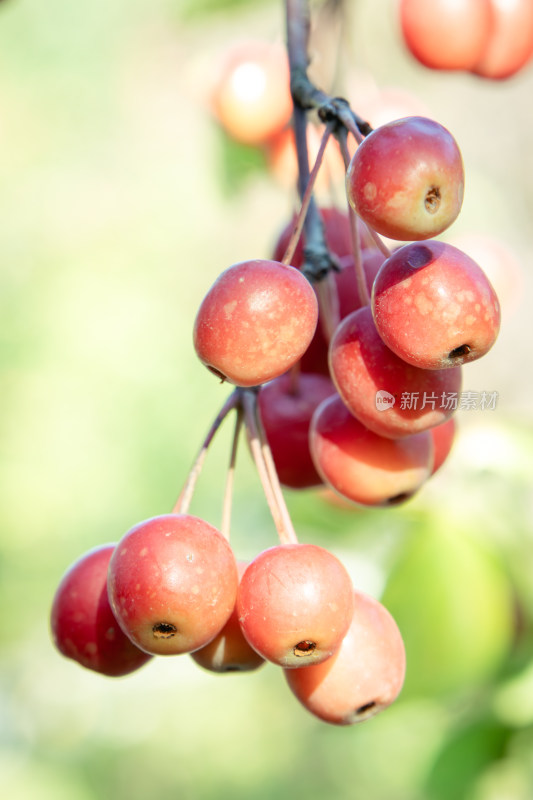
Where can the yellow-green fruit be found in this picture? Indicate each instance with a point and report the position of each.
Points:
(454, 606)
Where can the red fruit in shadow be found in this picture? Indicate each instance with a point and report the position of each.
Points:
(286, 405)
(366, 468)
(83, 625)
(229, 651)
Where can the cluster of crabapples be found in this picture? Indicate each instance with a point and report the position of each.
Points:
(306, 364)
(492, 39)
(172, 586)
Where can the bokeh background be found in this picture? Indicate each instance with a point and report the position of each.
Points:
(120, 202)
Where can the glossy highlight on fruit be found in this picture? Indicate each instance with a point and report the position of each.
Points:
(255, 322)
(406, 179)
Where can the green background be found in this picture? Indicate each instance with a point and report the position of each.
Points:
(120, 202)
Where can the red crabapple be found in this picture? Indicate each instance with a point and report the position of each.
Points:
(443, 437)
(315, 358)
(255, 322)
(229, 651)
(510, 44)
(286, 405)
(172, 583)
(83, 625)
(363, 367)
(295, 604)
(406, 179)
(366, 468)
(501, 265)
(446, 34)
(434, 306)
(363, 677)
(252, 98)
(337, 234)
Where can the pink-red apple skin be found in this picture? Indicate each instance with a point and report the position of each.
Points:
(363, 677)
(443, 439)
(252, 98)
(295, 604)
(434, 306)
(83, 625)
(172, 583)
(338, 239)
(406, 179)
(446, 34)
(229, 651)
(286, 405)
(366, 468)
(362, 365)
(510, 44)
(255, 322)
(315, 358)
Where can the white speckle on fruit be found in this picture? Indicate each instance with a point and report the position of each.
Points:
(423, 304)
(370, 191)
(229, 308)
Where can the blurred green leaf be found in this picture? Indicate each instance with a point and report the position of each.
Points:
(194, 10)
(466, 754)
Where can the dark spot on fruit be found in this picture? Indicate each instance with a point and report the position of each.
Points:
(398, 498)
(366, 707)
(419, 256)
(217, 373)
(432, 200)
(164, 630)
(459, 353)
(304, 648)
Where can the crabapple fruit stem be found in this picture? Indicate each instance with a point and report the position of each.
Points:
(360, 277)
(318, 259)
(266, 470)
(306, 199)
(184, 500)
(305, 94)
(228, 491)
